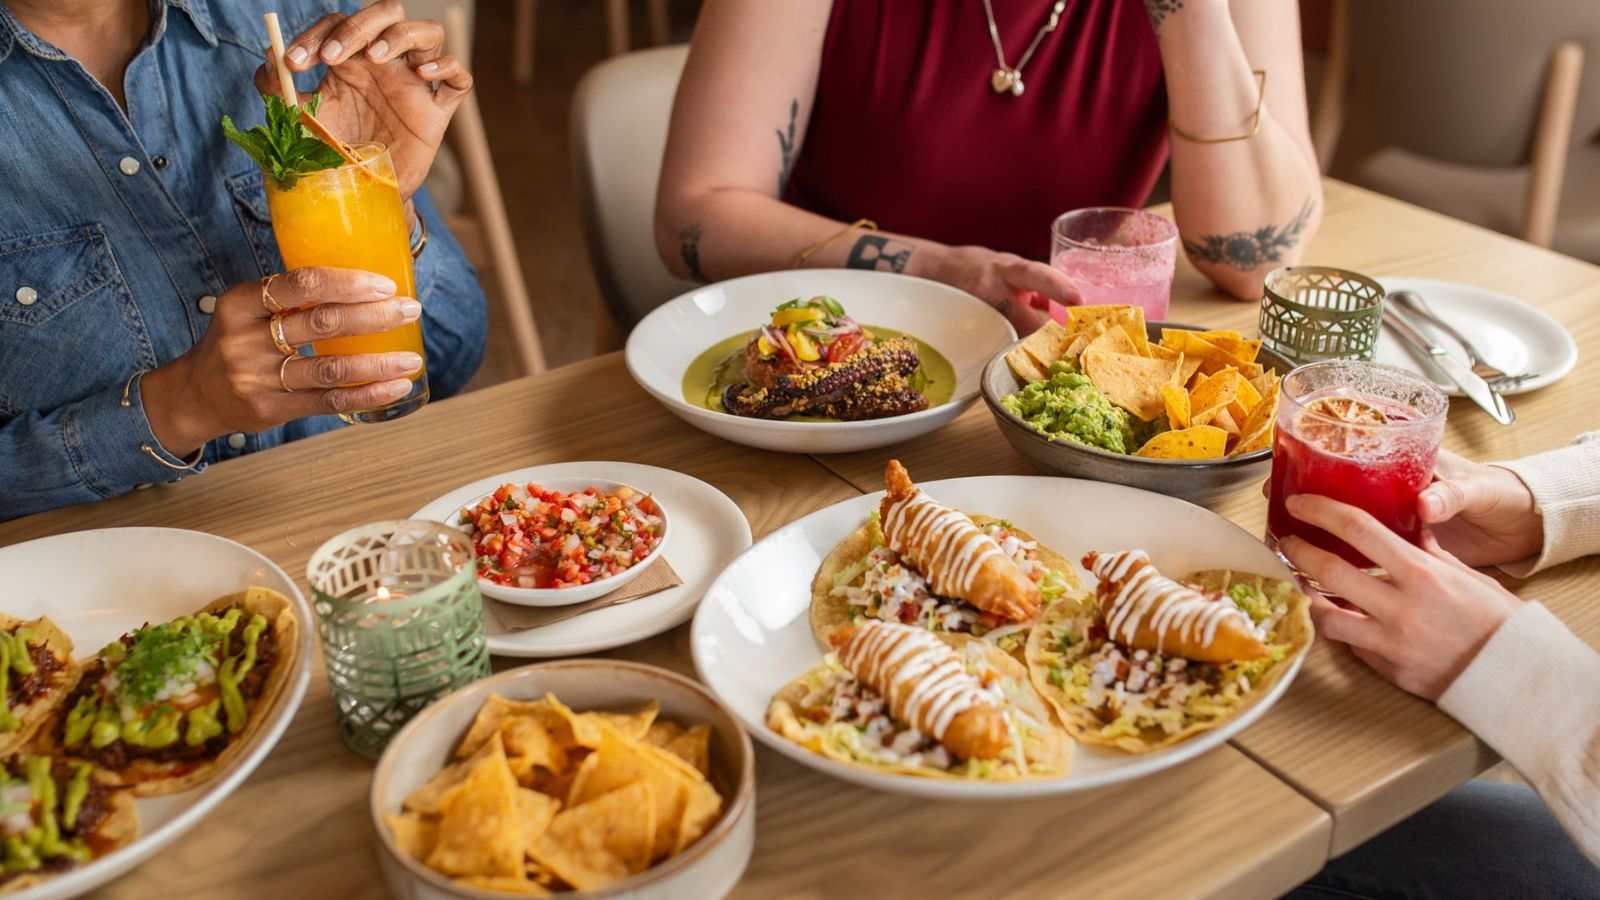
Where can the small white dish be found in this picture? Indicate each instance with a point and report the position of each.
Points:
(966, 330)
(98, 585)
(577, 593)
(753, 632)
(708, 531)
(1511, 335)
(708, 868)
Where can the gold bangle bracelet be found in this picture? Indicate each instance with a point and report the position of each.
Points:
(807, 253)
(127, 402)
(1255, 121)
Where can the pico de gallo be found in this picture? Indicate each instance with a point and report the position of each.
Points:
(528, 537)
(811, 331)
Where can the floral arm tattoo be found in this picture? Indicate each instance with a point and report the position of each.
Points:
(1250, 249)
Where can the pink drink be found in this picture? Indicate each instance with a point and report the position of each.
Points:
(1118, 256)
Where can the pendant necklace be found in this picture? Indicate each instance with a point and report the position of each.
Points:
(1008, 79)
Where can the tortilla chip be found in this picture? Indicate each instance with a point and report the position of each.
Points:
(632, 726)
(693, 747)
(661, 732)
(414, 834)
(1231, 343)
(505, 885)
(602, 841)
(1217, 390)
(1132, 382)
(535, 810)
(1046, 345)
(676, 785)
(1023, 366)
(1128, 318)
(429, 799)
(480, 831)
(495, 710)
(1212, 358)
(1265, 383)
(529, 744)
(1177, 403)
(1256, 432)
(1248, 395)
(1198, 442)
(1113, 340)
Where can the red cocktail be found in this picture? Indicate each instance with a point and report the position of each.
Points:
(1361, 433)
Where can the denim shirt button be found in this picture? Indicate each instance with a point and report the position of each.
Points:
(27, 295)
(207, 304)
(236, 440)
(129, 165)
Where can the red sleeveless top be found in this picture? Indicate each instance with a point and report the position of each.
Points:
(907, 131)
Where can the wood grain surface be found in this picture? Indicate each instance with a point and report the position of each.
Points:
(1362, 749)
(1221, 825)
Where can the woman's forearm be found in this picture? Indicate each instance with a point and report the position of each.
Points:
(1247, 206)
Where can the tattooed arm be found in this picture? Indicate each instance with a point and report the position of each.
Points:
(1243, 207)
(738, 126)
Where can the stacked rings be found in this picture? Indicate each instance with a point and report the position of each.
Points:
(275, 326)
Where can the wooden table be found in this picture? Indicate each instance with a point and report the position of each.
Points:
(1366, 752)
(1341, 757)
(299, 826)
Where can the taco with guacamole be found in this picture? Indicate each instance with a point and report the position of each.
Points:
(168, 706)
(1147, 661)
(36, 672)
(57, 814)
(918, 562)
(900, 700)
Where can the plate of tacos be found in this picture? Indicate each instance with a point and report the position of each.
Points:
(138, 692)
(1001, 636)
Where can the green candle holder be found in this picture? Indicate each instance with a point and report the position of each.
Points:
(401, 623)
(1313, 313)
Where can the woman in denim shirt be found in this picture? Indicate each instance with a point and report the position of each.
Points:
(134, 341)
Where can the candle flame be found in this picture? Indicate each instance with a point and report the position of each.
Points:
(383, 593)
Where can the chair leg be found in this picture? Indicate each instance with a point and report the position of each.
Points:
(472, 146)
(1551, 136)
(608, 335)
(617, 26)
(660, 24)
(522, 42)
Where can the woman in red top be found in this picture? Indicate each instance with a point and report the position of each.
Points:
(931, 118)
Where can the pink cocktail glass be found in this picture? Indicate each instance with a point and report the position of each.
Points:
(1117, 256)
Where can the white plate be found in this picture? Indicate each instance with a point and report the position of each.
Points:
(753, 633)
(1510, 334)
(708, 530)
(98, 585)
(965, 329)
(568, 596)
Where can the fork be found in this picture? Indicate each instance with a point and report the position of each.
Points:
(1497, 379)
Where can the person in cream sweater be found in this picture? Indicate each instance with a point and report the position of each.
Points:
(1505, 668)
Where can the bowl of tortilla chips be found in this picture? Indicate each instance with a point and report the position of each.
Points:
(1169, 408)
(589, 778)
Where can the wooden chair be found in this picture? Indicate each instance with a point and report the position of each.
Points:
(1470, 107)
(620, 113)
(481, 225)
(617, 36)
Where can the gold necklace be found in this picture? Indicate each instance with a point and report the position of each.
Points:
(1009, 78)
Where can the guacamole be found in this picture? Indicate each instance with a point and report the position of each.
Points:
(1068, 407)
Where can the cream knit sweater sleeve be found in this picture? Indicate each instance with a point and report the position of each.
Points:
(1533, 692)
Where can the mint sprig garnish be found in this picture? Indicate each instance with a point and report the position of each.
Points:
(284, 146)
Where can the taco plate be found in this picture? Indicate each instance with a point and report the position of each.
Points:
(36, 672)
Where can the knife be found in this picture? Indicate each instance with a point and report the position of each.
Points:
(1468, 381)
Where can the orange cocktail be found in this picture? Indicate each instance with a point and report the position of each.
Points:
(352, 217)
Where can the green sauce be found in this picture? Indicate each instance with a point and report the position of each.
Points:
(723, 364)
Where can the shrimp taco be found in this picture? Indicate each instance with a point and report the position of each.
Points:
(1147, 661)
(899, 700)
(917, 562)
(57, 814)
(168, 706)
(36, 672)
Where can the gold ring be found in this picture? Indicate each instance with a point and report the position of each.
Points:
(283, 369)
(275, 328)
(266, 294)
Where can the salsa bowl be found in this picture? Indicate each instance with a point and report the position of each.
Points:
(962, 328)
(1202, 481)
(707, 868)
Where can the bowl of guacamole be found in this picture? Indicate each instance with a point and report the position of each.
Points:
(1066, 426)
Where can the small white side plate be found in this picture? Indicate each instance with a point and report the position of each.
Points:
(753, 632)
(98, 585)
(1511, 335)
(708, 531)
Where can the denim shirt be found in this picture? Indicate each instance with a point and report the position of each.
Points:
(118, 231)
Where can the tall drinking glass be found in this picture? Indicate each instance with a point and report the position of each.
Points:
(1117, 256)
(352, 217)
(1361, 433)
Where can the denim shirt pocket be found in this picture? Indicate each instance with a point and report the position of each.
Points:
(67, 319)
(250, 202)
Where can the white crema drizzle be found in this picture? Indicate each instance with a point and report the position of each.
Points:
(1148, 596)
(957, 548)
(929, 688)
